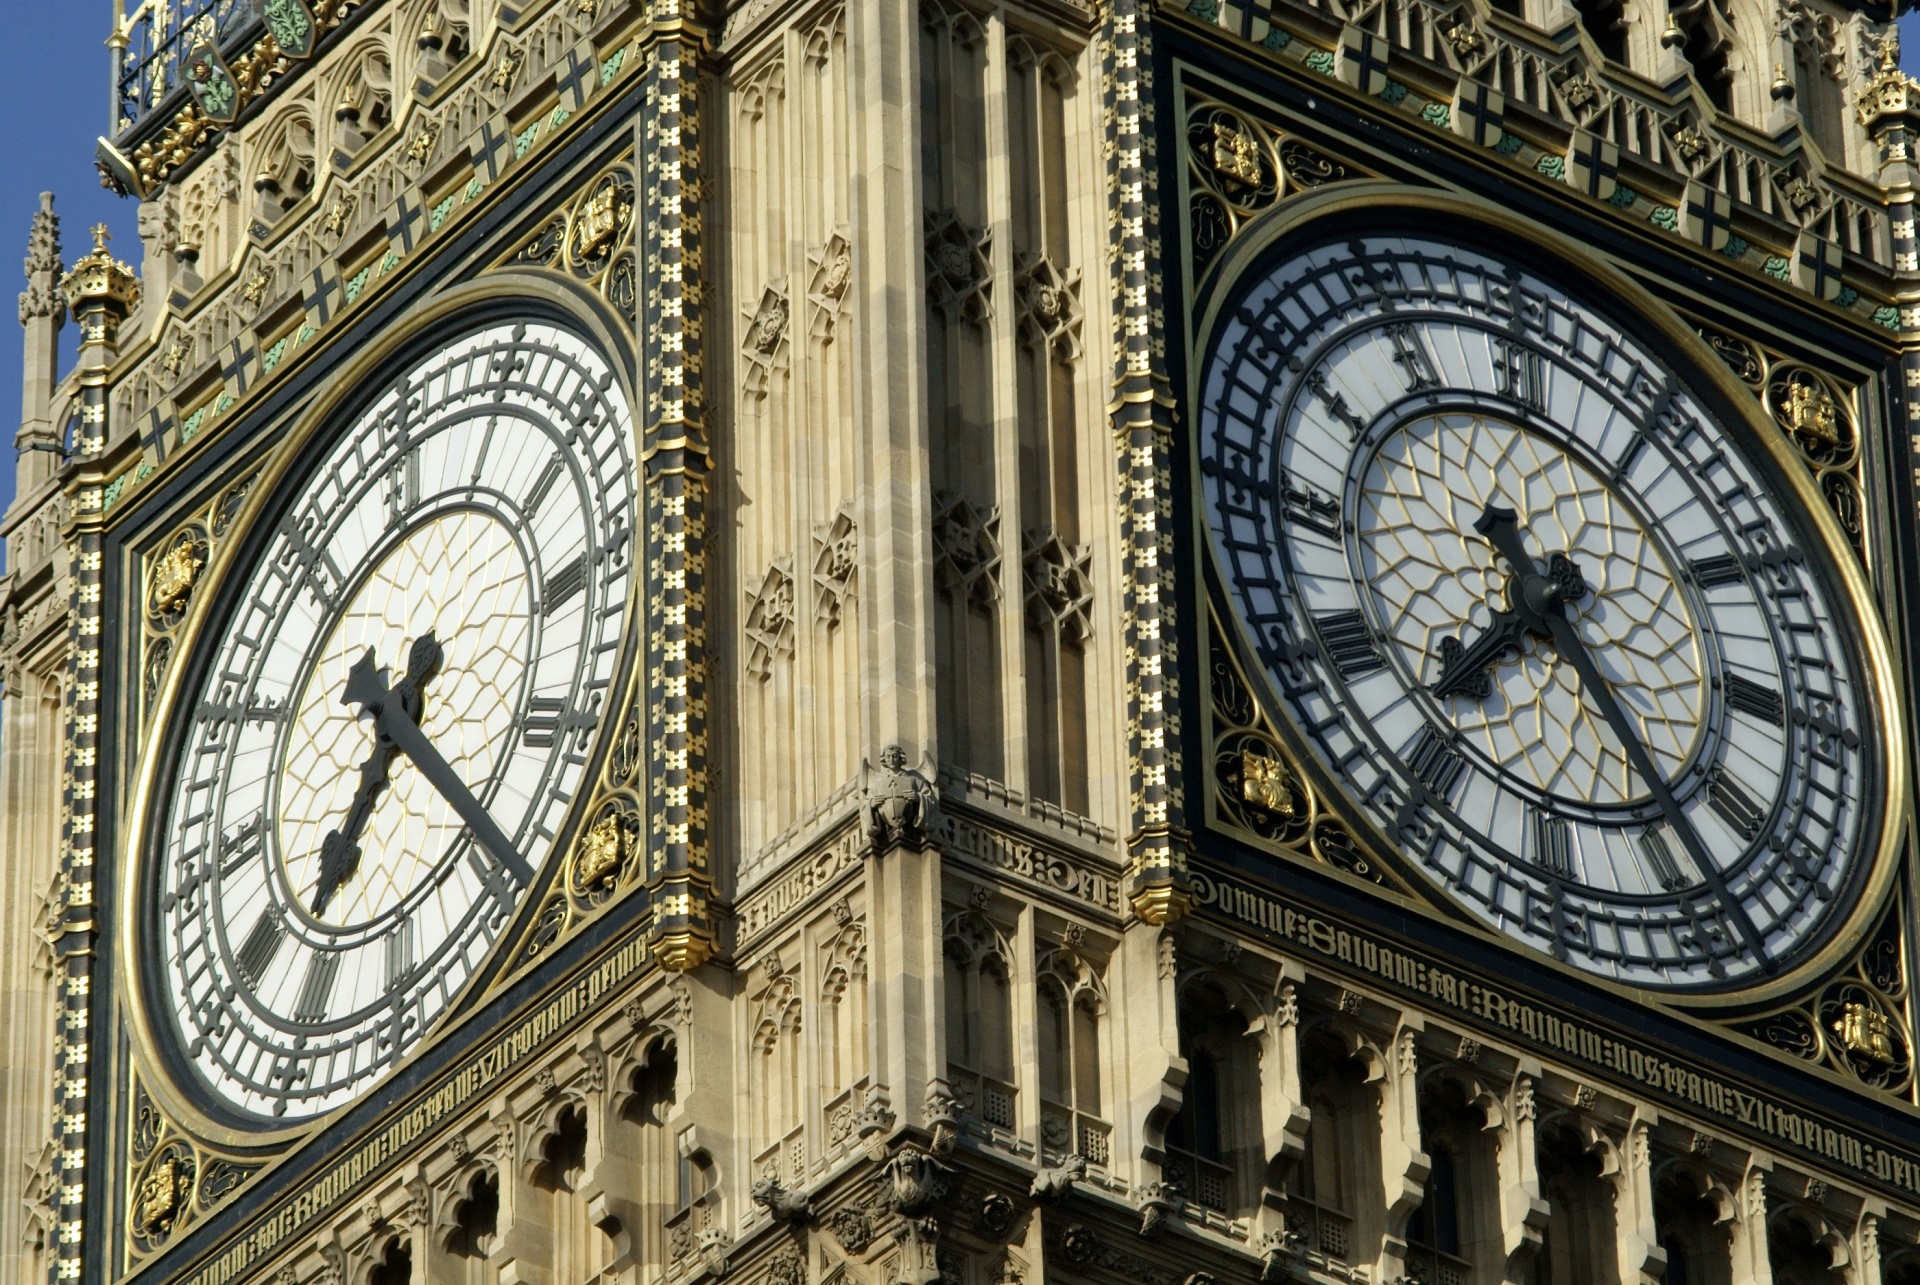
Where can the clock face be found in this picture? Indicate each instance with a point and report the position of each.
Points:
(1546, 624)
(394, 718)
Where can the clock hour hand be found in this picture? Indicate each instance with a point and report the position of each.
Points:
(340, 850)
(1468, 670)
(398, 725)
(1542, 598)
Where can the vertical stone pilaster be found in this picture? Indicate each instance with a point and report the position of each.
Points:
(1523, 1214)
(1637, 1234)
(101, 293)
(674, 464)
(1141, 413)
(42, 310)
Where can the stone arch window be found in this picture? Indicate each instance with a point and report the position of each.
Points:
(1692, 1218)
(843, 1009)
(779, 1147)
(363, 104)
(1606, 22)
(1802, 1248)
(1333, 1188)
(1214, 1140)
(475, 1220)
(1072, 1010)
(1579, 1243)
(580, 1249)
(1457, 1225)
(395, 1264)
(979, 984)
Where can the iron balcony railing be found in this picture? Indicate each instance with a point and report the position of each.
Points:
(151, 43)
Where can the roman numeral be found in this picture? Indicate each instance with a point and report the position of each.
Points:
(1722, 568)
(1336, 403)
(1416, 365)
(1303, 506)
(400, 955)
(243, 845)
(262, 944)
(1348, 644)
(1435, 762)
(544, 714)
(403, 487)
(563, 584)
(1520, 372)
(1735, 806)
(1552, 843)
(543, 484)
(317, 989)
(1658, 854)
(1750, 697)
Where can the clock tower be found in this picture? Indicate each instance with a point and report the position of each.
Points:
(836, 642)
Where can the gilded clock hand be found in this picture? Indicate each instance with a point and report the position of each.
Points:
(1542, 601)
(340, 850)
(397, 725)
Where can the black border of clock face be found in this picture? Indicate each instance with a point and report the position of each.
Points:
(154, 937)
(1801, 535)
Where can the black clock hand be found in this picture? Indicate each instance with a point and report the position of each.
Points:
(1468, 670)
(397, 724)
(1542, 599)
(340, 850)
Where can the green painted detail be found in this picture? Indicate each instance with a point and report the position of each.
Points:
(1552, 166)
(1276, 39)
(1437, 114)
(389, 263)
(1393, 93)
(559, 118)
(439, 215)
(1205, 10)
(1665, 216)
(144, 472)
(1735, 247)
(191, 425)
(611, 67)
(473, 189)
(1847, 297)
(1888, 316)
(217, 94)
(359, 283)
(1775, 267)
(110, 493)
(1508, 145)
(306, 333)
(1321, 60)
(524, 139)
(226, 400)
(1623, 198)
(271, 357)
(289, 23)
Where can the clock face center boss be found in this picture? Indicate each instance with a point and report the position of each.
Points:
(1544, 620)
(398, 706)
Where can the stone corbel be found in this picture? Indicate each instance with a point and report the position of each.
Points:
(1523, 1214)
(1751, 1266)
(1642, 1260)
(1284, 1116)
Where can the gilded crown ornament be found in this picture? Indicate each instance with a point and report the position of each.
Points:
(101, 281)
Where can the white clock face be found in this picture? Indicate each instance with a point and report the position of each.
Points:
(395, 717)
(1538, 615)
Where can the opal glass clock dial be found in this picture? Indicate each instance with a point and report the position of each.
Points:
(1548, 625)
(395, 715)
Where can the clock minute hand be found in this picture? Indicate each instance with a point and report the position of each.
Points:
(1534, 594)
(395, 723)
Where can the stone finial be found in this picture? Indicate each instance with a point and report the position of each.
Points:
(42, 297)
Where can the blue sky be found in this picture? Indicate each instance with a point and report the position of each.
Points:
(57, 89)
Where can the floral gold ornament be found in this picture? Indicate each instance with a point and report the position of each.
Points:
(601, 219)
(1263, 783)
(1865, 1030)
(175, 572)
(160, 1194)
(601, 851)
(1236, 155)
(1811, 412)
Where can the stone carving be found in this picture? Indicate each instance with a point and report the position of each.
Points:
(714, 1246)
(917, 1181)
(835, 568)
(770, 620)
(43, 297)
(1056, 1183)
(786, 1206)
(876, 1114)
(900, 805)
(827, 288)
(966, 549)
(943, 1117)
(996, 1213)
(959, 271)
(1049, 307)
(852, 1228)
(763, 335)
(1059, 585)
(787, 1268)
(1078, 1244)
(1157, 1200)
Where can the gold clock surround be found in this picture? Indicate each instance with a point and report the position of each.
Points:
(1325, 207)
(585, 311)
